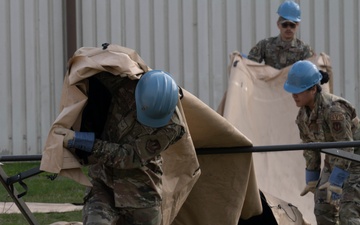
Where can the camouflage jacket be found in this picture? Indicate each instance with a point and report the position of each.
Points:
(128, 153)
(278, 53)
(333, 119)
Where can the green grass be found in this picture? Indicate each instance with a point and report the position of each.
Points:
(42, 189)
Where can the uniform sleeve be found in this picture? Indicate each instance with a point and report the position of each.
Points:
(140, 151)
(257, 52)
(312, 157)
(339, 122)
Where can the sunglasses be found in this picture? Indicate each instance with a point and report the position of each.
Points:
(291, 25)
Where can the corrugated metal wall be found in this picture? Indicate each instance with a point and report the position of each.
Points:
(192, 39)
(32, 65)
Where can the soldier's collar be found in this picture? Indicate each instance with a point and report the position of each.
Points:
(280, 42)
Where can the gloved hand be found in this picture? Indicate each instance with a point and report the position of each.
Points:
(334, 185)
(312, 177)
(83, 141)
(68, 135)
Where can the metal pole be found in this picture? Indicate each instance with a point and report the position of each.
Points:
(341, 153)
(17, 158)
(276, 148)
(229, 150)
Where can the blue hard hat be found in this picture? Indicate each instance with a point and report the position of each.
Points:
(302, 75)
(290, 10)
(156, 96)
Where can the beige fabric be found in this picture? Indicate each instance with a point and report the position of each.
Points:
(85, 63)
(227, 186)
(181, 166)
(284, 212)
(257, 104)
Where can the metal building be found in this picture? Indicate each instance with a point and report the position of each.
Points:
(191, 39)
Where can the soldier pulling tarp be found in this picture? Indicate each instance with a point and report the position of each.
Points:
(181, 166)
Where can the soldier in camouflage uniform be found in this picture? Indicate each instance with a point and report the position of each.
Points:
(142, 121)
(324, 117)
(284, 49)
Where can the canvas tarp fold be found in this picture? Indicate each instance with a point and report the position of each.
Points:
(182, 169)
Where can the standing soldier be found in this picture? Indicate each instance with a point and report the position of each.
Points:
(324, 117)
(284, 49)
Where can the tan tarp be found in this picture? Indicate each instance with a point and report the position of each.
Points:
(284, 212)
(181, 166)
(256, 104)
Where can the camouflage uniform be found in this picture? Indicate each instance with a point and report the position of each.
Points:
(278, 53)
(126, 179)
(332, 119)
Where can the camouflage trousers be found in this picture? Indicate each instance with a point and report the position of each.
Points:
(99, 209)
(347, 212)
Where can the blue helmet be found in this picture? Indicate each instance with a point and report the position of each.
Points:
(156, 96)
(290, 10)
(302, 76)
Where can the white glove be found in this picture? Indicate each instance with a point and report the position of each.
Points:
(311, 177)
(334, 185)
(310, 187)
